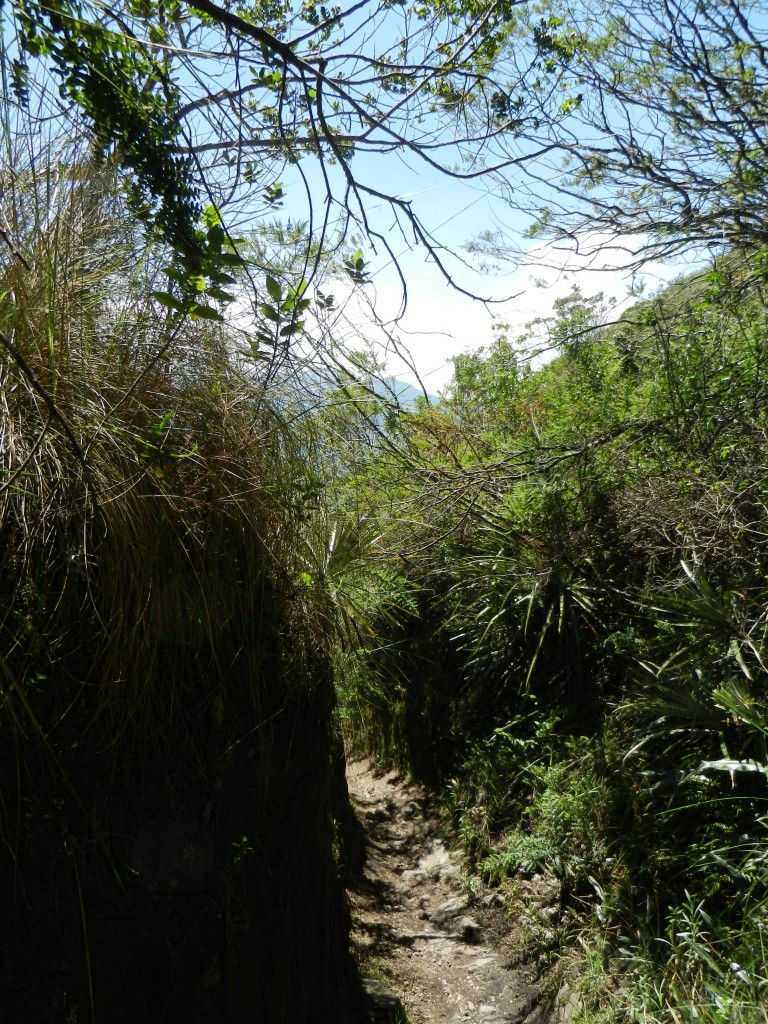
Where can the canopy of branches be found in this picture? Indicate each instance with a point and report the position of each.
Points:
(627, 120)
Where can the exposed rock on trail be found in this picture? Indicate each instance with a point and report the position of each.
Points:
(446, 953)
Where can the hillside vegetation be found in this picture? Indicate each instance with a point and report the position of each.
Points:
(573, 645)
(545, 596)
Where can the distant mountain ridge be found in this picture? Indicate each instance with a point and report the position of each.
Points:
(310, 386)
(406, 395)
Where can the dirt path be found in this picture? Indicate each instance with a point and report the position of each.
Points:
(449, 954)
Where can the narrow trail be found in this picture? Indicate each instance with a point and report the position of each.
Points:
(450, 954)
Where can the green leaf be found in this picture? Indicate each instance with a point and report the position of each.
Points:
(196, 282)
(274, 194)
(293, 328)
(270, 312)
(231, 259)
(274, 288)
(356, 268)
(217, 277)
(168, 300)
(211, 217)
(198, 312)
(216, 236)
(298, 290)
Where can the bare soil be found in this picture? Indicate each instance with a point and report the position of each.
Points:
(447, 948)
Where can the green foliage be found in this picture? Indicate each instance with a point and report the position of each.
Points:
(205, 101)
(105, 74)
(710, 974)
(550, 590)
(589, 652)
(636, 143)
(565, 821)
(493, 782)
(355, 268)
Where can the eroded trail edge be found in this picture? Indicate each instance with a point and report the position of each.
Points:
(448, 950)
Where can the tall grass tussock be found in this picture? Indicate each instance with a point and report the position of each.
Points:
(166, 746)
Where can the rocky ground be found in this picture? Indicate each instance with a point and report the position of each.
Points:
(439, 948)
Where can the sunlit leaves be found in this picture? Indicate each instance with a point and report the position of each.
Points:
(105, 73)
(285, 309)
(274, 194)
(355, 268)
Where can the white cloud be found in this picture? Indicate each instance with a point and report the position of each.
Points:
(440, 322)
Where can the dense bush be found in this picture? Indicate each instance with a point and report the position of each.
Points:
(589, 656)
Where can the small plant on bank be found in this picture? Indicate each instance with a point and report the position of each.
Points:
(566, 821)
